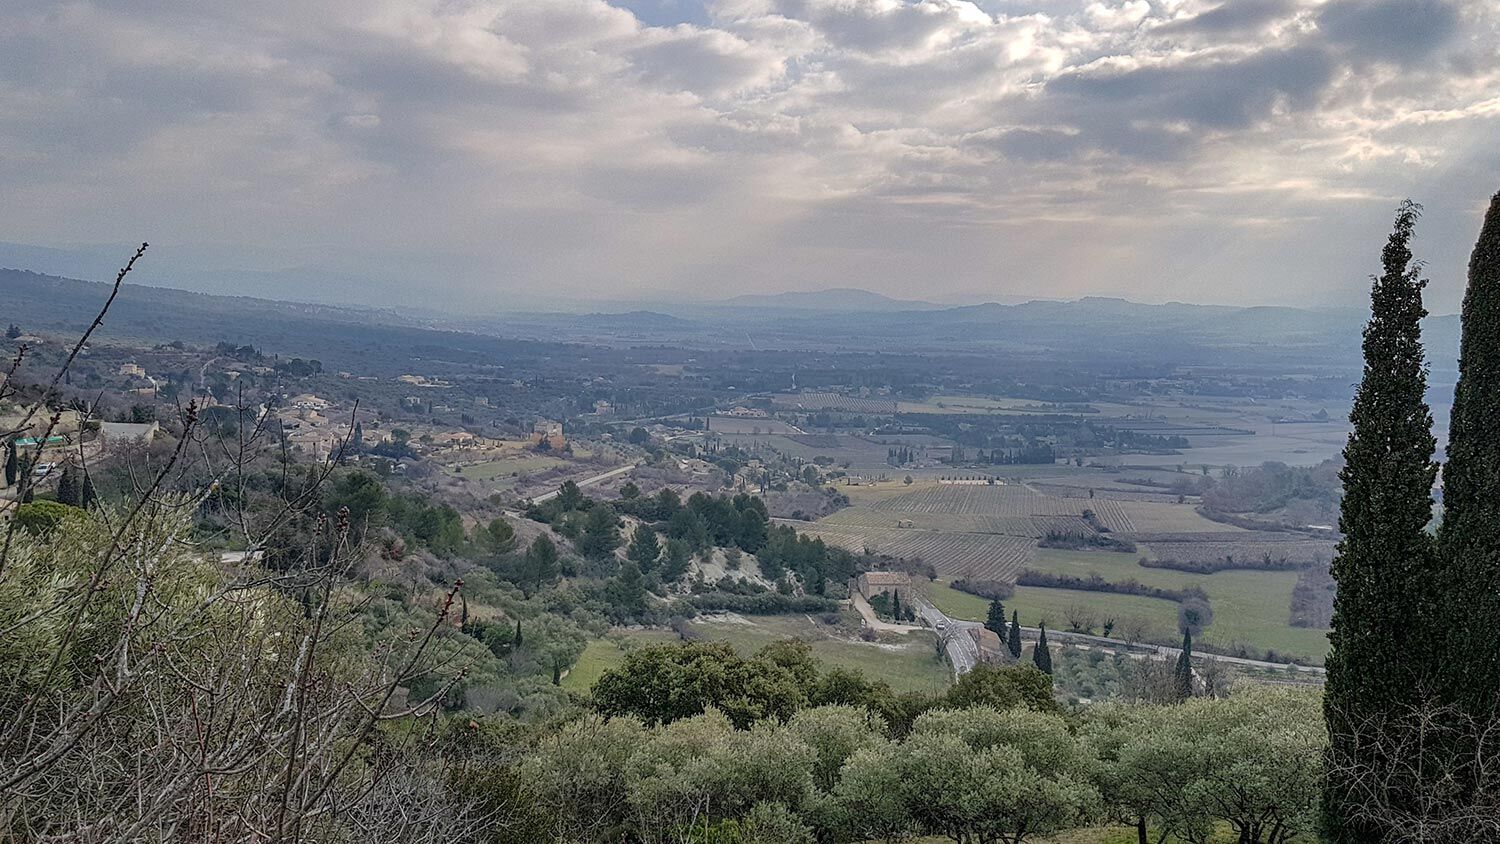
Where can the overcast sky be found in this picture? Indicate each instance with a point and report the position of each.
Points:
(485, 153)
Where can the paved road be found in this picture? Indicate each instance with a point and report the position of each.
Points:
(964, 654)
(597, 479)
(1163, 650)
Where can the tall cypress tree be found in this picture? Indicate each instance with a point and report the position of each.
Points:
(69, 487)
(1378, 661)
(1469, 537)
(1041, 656)
(995, 620)
(1183, 676)
(1014, 640)
(12, 463)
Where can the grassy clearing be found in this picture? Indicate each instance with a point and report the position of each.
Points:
(1249, 606)
(907, 663)
(504, 467)
(603, 654)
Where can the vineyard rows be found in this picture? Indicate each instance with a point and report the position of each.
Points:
(980, 555)
(1111, 493)
(834, 401)
(1034, 527)
(1001, 500)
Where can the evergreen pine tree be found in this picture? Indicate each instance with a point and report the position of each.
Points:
(995, 620)
(1469, 537)
(1383, 636)
(538, 566)
(1183, 676)
(1041, 655)
(1015, 634)
(644, 549)
(626, 593)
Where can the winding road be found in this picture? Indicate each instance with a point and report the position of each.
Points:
(597, 479)
(963, 654)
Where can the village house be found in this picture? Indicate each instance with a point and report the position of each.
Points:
(871, 583)
(456, 439)
(117, 433)
(308, 401)
(748, 412)
(552, 432)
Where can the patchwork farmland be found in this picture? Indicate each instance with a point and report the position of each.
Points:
(992, 532)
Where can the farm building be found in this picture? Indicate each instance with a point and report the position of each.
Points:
(308, 401)
(872, 583)
(113, 433)
(552, 432)
(457, 439)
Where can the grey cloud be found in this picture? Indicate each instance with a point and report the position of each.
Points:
(555, 143)
(1398, 31)
(1234, 16)
(1215, 94)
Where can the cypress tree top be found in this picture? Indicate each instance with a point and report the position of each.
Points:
(1041, 656)
(1183, 676)
(1386, 624)
(1469, 537)
(1383, 563)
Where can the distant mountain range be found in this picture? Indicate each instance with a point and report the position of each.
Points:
(832, 299)
(1093, 328)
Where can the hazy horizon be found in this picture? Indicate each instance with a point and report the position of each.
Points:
(488, 155)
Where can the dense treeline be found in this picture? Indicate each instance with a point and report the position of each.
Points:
(1078, 540)
(1096, 583)
(1207, 565)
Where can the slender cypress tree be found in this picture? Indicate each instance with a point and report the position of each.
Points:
(90, 495)
(995, 621)
(1383, 639)
(1183, 676)
(1469, 537)
(1041, 656)
(1014, 641)
(12, 464)
(69, 487)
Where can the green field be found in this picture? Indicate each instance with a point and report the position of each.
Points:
(1249, 607)
(907, 663)
(520, 464)
(603, 654)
